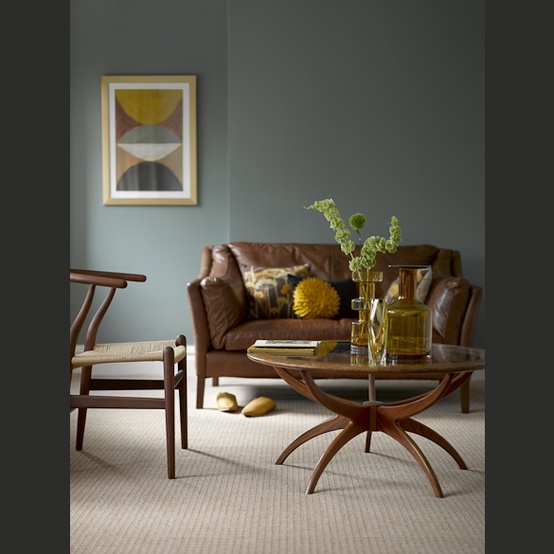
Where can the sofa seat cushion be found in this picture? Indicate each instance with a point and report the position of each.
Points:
(244, 335)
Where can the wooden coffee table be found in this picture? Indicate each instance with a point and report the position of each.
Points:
(452, 364)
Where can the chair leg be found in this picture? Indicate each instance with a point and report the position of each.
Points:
(183, 408)
(169, 394)
(182, 389)
(84, 388)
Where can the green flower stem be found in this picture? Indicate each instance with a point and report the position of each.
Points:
(369, 247)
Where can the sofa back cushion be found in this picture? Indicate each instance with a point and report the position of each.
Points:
(326, 261)
(329, 262)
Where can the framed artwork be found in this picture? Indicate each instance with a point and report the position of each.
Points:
(149, 140)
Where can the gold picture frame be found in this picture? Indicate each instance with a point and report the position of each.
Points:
(149, 140)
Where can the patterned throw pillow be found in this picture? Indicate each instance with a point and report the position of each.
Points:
(269, 291)
(314, 298)
(424, 278)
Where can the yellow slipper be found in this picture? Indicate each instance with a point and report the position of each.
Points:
(259, 406)
(227, 402)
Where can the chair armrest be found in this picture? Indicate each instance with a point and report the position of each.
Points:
(89, 276)
(86, 279)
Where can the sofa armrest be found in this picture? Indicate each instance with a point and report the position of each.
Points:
(448, 299)
(225, 306)
(470, 318)
(199, 318)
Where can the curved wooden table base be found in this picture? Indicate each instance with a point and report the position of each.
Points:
(353, 418)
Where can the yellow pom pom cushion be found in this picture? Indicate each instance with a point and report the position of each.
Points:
(315, 298)
(424, 278)
(347, 290)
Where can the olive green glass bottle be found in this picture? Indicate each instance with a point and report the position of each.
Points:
(410, 329)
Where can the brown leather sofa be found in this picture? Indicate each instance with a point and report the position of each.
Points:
(223, 329)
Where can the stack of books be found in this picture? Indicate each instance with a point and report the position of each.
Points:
(286, 347)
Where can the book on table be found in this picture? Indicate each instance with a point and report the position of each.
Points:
(286, 347)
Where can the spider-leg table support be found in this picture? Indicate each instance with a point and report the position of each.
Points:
(353, 418)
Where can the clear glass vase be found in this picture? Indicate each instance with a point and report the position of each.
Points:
(366, 279)
(410, 325)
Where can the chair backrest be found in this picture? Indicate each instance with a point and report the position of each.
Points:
(110, 281)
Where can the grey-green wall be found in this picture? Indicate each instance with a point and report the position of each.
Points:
(378, 104)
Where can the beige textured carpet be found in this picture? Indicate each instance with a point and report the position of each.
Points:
(230, 497)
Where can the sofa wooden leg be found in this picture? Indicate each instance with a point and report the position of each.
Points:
(200, 383)
(464, 397)
(215, 381)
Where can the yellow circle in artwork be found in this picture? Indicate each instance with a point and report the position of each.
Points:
(149, 107)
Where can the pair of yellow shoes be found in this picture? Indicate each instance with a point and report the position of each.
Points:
(227, 402)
